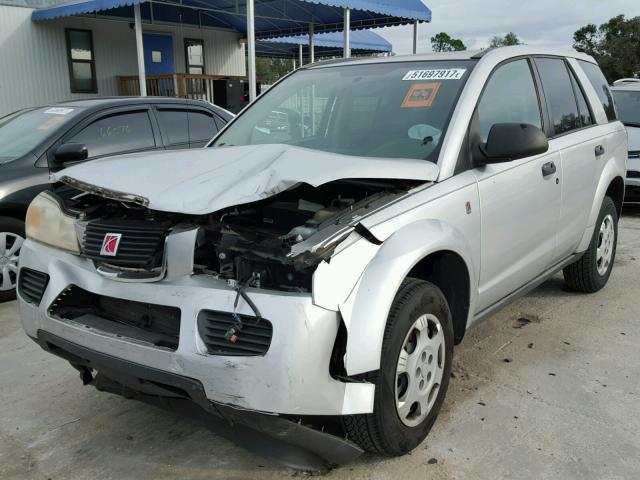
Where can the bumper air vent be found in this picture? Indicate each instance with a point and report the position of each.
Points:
(141, 243)
(254, 339)
(633, 174)
(158, 325)
(32, 284)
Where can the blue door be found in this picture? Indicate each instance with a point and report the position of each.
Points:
(158, 54)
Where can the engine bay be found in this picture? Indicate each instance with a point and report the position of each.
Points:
(274, 243)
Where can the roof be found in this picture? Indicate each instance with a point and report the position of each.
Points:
(494, 54)
(326, 44)
(272, 18)
(109, 102)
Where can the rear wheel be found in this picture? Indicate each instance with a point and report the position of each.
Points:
(592, 271)
(11, 239)
(412, 382)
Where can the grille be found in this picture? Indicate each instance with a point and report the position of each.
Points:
(155, 324)
(32, 284)
(141, 243)
(634, 154)
(254, 339)
(633, 174)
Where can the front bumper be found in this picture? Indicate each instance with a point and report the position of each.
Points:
(291, 378)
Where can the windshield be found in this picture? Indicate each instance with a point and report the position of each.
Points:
(628, 106)
(22, 131)
(390, 109)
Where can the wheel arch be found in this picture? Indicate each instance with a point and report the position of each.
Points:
(615, 191)
(448, 271)
(425, 249)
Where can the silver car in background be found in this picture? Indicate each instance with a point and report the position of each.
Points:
(626, 93)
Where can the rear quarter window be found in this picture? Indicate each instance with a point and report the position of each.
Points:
(599, 82)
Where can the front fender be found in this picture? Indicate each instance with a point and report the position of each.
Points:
(366, 309)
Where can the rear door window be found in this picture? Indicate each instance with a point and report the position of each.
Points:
(202, 127)
(586, 118)
(558, 90)
(599, 82)
(173, 125)
(117, 133)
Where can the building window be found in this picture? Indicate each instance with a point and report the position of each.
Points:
(82, 62)
(194, 55)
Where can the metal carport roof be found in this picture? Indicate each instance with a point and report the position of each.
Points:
(326, 44)
(272, 17)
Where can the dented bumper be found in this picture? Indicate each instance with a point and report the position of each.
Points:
(291, 378)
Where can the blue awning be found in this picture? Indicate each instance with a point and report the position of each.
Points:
(326, 44)
(272, 17)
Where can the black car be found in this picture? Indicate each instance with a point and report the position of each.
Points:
(37, 141)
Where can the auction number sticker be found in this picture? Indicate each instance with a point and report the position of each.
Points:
(436, 74)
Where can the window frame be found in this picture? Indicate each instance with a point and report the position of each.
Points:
(108, 112)
(551, 132)
(187, 65)
(576, 80)
(71, 61)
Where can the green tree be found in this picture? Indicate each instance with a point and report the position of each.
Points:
(506, 41)
(442, 42)
(268, 70)
(614, 44)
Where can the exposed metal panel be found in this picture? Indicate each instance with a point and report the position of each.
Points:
(34, 62)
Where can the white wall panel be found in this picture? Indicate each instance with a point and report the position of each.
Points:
(33, 60)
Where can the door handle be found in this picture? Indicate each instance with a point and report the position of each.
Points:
(548, 168)
(599, 151)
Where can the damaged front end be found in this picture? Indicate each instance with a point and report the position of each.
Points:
(272, 244)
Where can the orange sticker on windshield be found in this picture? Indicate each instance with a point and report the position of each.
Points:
(421, 95)
(50, 123)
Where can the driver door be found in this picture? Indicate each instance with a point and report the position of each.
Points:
(520, 200)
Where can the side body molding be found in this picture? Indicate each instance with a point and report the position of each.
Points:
(366, 309)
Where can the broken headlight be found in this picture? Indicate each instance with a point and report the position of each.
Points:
(47, 223)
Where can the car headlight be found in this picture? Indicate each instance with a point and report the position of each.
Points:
(47, 223)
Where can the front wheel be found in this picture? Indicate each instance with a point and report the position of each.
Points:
(592, 271)
(11, 238)
(412, 382)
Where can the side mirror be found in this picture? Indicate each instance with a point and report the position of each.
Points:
(70, 152)
(511, 141)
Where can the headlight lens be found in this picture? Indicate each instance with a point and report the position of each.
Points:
(47, 223)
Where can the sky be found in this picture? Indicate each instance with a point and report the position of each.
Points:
(537, 22)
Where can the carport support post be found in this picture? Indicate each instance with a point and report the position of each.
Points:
(300, 53)
(347, 31)
(251, 44)
(415, 37)
(140, 50)
(312, 44)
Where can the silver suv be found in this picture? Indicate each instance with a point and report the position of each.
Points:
(626, 93)
(322, 258)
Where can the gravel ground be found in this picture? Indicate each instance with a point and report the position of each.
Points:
(547, 388)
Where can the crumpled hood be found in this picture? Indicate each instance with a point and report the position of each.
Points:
(207, 180)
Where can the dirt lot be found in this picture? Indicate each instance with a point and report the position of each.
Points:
(548, 388)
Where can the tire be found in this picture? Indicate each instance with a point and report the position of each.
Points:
(590, 274)
(11, 230)
(384, 431)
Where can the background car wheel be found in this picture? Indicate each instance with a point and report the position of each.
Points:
(592, 271)
(412, 382)
(11, 238)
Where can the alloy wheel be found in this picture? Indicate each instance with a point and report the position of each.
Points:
(10, 244)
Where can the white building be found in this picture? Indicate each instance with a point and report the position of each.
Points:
(79, 57)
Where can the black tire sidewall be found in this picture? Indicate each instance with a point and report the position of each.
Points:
(15, 226)
(398, 437)
(607, 208)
